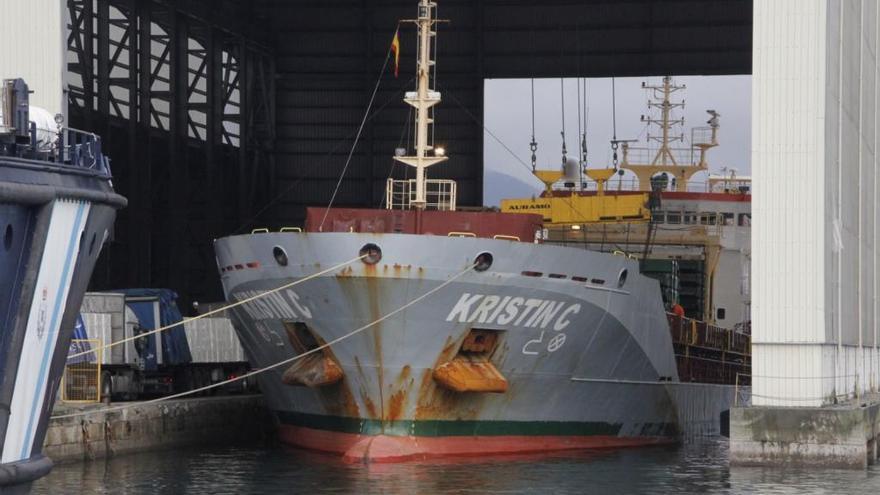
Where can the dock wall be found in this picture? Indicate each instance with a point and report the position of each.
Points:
(829, 437)
(156, 426)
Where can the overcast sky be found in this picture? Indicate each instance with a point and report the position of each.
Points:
(508, 116)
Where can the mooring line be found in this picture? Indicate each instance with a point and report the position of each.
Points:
(272, 366)
(218, 310)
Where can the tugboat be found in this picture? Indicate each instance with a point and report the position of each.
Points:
(693, 236)
(515, 346)
(57, 207)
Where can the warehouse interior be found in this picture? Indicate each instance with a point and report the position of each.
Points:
(225, 116)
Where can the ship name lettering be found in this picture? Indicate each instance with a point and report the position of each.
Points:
(518, 311)
(273, 306)
(563, 322)
(510, 311)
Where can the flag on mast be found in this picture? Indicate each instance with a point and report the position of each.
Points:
(395, 47)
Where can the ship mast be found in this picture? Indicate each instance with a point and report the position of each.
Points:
(664, 154)
(679, 163)
(423, 99)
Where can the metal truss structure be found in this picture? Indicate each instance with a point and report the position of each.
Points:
(226, 115)
(185, 107)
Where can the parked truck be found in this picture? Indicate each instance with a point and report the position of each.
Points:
(189, 356)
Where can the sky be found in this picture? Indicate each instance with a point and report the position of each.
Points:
(508, 117)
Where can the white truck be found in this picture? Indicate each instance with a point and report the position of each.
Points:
(195, 354)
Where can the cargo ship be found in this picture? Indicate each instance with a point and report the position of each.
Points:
(57, 208)
(479, 336)
(693, 236)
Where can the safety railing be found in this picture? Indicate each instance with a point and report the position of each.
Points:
(266, 230)
(681, 157)
(806, 391)
(69, 146)
(703, 136)
(440, 194)
(709, 354)
(697, 333)
(506, 237)
(82, 149)
(62, 145)
(630, 183)
(81, 380)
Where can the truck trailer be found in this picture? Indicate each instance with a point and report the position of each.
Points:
(192, 355)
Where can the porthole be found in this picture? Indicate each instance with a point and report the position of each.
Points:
(280, 255)
(92, 243)
(7, 237)
(370, 254)
(483, 262)
(621, 279)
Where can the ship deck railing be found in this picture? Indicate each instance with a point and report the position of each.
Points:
(63, 146)
(641, 156)
(628, 183)
(708, 353)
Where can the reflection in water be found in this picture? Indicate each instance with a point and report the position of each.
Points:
(693, 468)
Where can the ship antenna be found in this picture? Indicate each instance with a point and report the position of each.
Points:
(534, 144)
(423, 99)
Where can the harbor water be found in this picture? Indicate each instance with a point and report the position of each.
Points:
(690, 468)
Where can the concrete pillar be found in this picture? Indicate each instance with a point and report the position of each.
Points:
(814, 135)
(814, 232)
(33, 38)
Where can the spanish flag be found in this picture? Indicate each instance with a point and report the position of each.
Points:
(395, 47)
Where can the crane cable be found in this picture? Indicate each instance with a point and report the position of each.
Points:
(562, 99)
(275, 365)
(218, 310)
(580, 123)
(614, 142)
(586, 121)
(533, 145)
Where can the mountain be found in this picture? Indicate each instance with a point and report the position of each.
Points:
(498, 186)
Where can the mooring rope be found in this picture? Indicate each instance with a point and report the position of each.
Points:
(272, 366)
(218, 310)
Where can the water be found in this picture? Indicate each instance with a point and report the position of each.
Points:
(250, 470)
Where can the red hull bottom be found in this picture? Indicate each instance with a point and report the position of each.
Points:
(384, 448)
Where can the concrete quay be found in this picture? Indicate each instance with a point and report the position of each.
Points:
(839, 436)
(155, 426)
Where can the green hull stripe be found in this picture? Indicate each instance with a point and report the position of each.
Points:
(445, 428)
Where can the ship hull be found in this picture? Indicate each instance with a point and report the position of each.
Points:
(56, 219)
(587, 366)
(382, 448)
